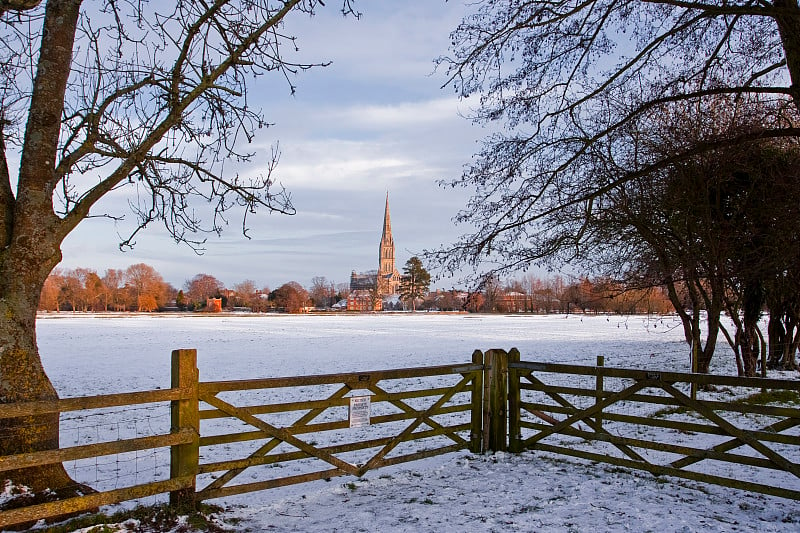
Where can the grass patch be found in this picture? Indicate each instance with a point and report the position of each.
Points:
(780, 396)
(785, 397)
(147, 519)
(672, 411)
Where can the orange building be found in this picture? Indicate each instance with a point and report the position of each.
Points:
(362, 300)
(214, 305)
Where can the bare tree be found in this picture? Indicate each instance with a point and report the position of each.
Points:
(72, 290)
(491, 286)
(145, 284)
(762, 202)
(570, 81)
(202, 287)
(291, 297)
(323, 292)
(93, 289)
(81, 288)
(150, 97)
(51, 291)
(245, 293)
(715, 229)
(113, 281)
(342, 290)
(783, 329)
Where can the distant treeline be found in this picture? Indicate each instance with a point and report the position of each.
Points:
(137, 288)
(141, 288)
(556, 294)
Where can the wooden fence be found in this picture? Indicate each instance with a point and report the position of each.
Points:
(177, 437)
(426, 420)
(649, 420)
(228, 437)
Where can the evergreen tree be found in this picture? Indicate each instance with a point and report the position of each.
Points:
(415, 282)
(180, 301)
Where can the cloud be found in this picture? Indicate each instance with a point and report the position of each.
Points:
(391, 41)
(339, 164)
(403, 115)
(371, 146)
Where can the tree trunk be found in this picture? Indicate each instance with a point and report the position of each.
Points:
(789, 362)
(750, 350)
(778, 338)
(753, 300)
(22, 376)
(789, 29)
(691, 324)
(739, 362)
(30, 249)
(791, 339)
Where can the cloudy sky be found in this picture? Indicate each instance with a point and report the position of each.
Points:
(375, 121)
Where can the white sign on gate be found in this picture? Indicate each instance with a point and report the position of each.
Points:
(359, 411)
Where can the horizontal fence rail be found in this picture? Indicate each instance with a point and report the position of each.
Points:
(648, 420)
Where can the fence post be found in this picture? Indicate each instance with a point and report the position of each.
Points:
(488, 358)
(495, 397)
(598, 393)
(695, 353)
(476, 420)
(185, 458)
(514, 408)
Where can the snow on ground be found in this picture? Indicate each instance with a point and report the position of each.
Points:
(100, 354)
(505, 492)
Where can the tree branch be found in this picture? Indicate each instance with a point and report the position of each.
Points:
(182, 95)
(6, 194)
(725, 8)
(47, 102)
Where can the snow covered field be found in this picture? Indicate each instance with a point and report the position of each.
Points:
(99, 354)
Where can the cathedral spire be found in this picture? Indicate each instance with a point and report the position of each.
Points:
(386, 238)
(388, 277)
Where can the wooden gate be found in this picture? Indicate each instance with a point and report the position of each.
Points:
(273, 432)
(650, 421)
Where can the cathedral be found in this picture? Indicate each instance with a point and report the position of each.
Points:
(369, 288)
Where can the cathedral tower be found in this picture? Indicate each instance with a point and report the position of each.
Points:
(388, 276)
